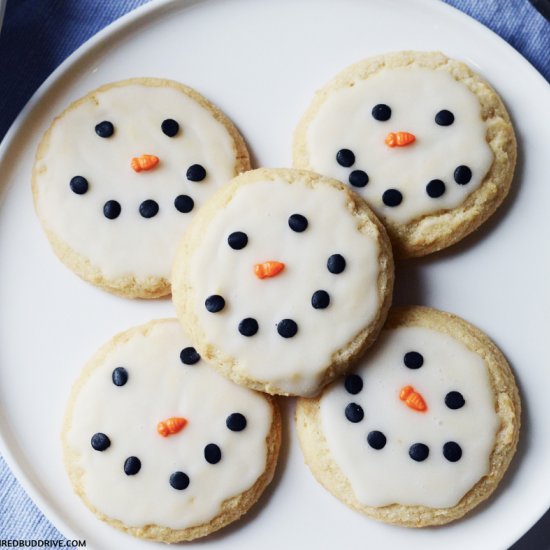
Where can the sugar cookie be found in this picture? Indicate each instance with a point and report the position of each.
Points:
(421, 137)
(283, 279)
(423, 430)
(160, 445)
(119, 174)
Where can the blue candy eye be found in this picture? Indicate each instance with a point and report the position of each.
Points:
(444, 118)
(381, 112)
(170, 127)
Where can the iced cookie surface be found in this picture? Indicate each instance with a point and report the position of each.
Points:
(423, 430)
(120, 173)
(421, 137)
(160, 445)
(284, 279)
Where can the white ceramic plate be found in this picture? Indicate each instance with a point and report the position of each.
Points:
(260, 62)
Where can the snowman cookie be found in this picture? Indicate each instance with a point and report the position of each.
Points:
(161, 446)
(283, 279)
(120, 173)
(423, 430)
(425, 140)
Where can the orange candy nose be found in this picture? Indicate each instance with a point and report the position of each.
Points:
(145, 162)
(413, 399)
(171, 426)
(399, 139)
(268, 269)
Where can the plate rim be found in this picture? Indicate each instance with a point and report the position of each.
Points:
(123, 24)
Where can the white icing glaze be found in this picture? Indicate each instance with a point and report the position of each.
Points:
(293, 365)
(389, 475)
(130, 244)
(161, 386)
(415, 96)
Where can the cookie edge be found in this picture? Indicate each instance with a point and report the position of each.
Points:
(436, 231)
(127, 286)
(507, 404)
(342, 359)
(231, 509)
